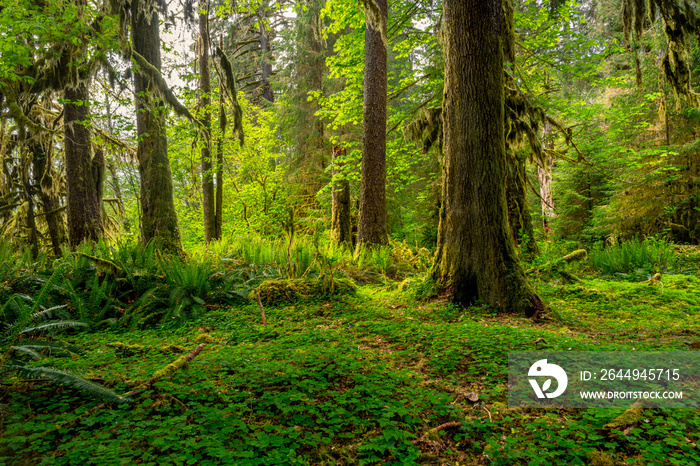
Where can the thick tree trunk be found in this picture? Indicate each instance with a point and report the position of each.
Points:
(476, 259)
(371, 227)
(208, 201)
(341, 225)
(519, 217)
(84, 174)
(159, 219)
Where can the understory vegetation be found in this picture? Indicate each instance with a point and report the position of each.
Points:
(346, 366)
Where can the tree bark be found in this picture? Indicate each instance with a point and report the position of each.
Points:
(267, 91)
(475, 259)
(159, 219)
(84, 173)
(208, 200)
(371, 227)
(341, 225)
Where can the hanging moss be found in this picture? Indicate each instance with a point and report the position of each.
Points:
(229, 85)
(376, 18)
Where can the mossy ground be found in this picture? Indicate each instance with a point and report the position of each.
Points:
(359, 380)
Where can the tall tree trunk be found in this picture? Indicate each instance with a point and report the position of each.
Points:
(371, 227)
(84, 174)
(544, 173)
(476, 258)
(267, 92)
(208, 200)
(219, 216)
(341, 225)
(45, 178)
(159, 219)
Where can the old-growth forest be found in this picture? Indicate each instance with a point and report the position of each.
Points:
(258, 232)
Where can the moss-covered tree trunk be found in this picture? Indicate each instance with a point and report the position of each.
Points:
(371, 228)
(519, 217)
(159, 219)
(341, 225)
(208, 200)
(475, 259)
(47, 180)
(84, 173)
(267, 91)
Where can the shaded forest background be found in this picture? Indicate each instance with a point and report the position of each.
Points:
(616, 156)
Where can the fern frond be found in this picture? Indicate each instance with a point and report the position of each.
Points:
(49, 313)
(50, 347)
(26, 350)
(52, 325)
(71, 380)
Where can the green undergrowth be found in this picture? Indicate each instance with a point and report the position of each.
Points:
(357, 379)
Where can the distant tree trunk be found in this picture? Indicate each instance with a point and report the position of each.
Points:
(208, 200)
(544, 172)
(371, 227)
(159, 219)
(45, 178)
(267, 92)
(475, 259)
(219, 217)
(84, 173)
(519, 217)
(341, 225)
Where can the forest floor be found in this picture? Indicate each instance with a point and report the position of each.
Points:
(375, 378)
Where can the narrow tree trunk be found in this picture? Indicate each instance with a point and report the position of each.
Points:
(45, 178)
(159, 219)
(519, 217)
(475, 259)
(208, 200)
(544, 172)
(371, 227)
(341, 225)
(267, 92)
(84, 174)
(219, 217)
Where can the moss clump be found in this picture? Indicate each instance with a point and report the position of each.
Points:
(125, 351)
(426, 289)
(274, 292)
(173, 349)
(577, 255)
(204, 338)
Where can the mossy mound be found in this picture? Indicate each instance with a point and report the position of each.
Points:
(274, 292)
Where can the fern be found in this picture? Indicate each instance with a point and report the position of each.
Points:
(55, 325)
(71, 380)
